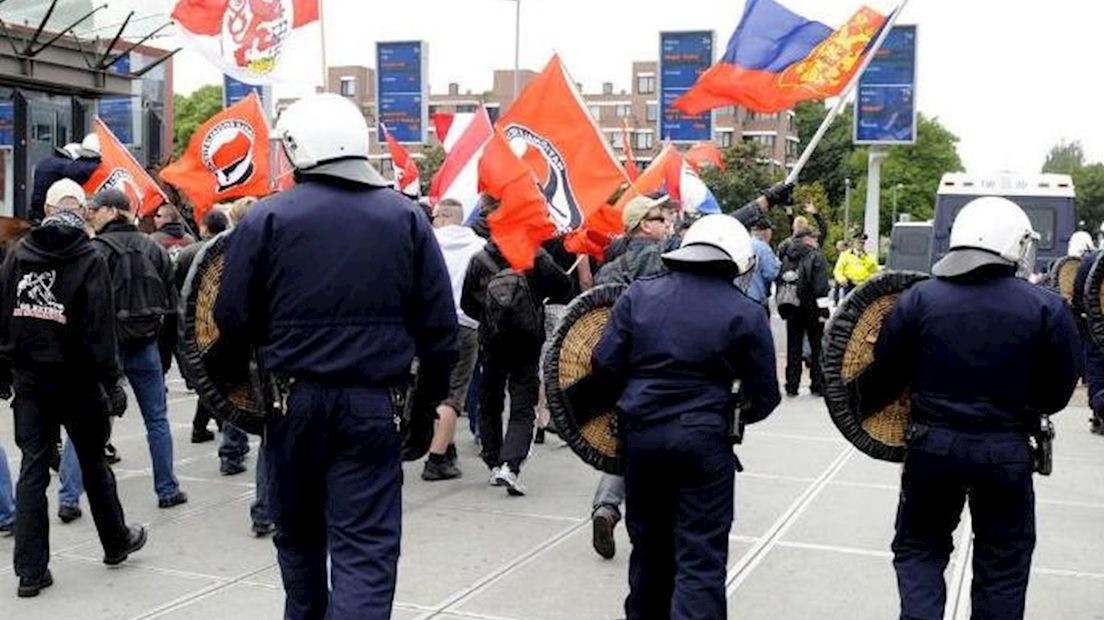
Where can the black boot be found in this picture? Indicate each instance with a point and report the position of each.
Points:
(29, 586)
(603, 521)
(136, 539)
(439, 467)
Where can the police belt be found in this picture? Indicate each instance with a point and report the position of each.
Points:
(1040, 440)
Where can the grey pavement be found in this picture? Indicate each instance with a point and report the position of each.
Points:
(814, 521)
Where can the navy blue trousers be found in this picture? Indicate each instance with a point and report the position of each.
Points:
(336, 492)
(679, 490)
(1094, 374)
(942, 470)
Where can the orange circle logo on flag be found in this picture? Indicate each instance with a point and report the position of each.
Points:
(227, 151)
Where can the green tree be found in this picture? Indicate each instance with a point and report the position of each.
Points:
(745, 177)
(428, 165)
(828, 163)
(1088, 182)
(192, 111)
(1065, 158)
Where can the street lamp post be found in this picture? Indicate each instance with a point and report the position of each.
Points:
(517, 45)
(895, 190)
(847, 210)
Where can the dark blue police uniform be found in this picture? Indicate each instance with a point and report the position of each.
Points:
(985, 354)
(1094, 358)
(677, 342)
(339, 285)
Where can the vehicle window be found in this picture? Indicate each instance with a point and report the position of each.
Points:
(914, 243)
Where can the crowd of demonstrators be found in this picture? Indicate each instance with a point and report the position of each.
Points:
(854, 265)
(509, 308)
(61, 351)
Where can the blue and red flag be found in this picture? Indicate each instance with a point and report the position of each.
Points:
(777, 58)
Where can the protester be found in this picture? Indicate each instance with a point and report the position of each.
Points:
(214, 222)
(336, 344)
(983, 354)
(142, 283)
(508, 307)
(646, 231)
(458, 245)
(1091, 354)
(804, 266)
(765, 272)
(76, 162)
(679, 465)
(58, 352)
(171, 233)
(855, 265)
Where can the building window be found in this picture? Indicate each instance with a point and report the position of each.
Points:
(652, 111)
(724, 139)
(466, 108)
(624, 111)
(645, 84)
(617, 140)
(348, 87)
(596, 112)
(765, 143)
(644, 141)
(728, 110)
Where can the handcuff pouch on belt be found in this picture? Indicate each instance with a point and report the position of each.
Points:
(1041, 442)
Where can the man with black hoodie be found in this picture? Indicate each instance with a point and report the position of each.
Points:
(802, 259)
(171, 233)
(510, 310)
(58, 351)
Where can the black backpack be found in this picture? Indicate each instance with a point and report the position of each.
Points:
(792, 284)
(141, 295)
(510, 308)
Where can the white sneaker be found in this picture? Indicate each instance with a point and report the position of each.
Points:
(496, 479)
(510, 480)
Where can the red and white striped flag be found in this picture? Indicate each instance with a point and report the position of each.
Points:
(458, 177)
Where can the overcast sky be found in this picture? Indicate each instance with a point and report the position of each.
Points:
(1009, 77)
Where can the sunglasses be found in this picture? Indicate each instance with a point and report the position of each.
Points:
(655, 218)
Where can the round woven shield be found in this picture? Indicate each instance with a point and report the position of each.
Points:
(1062, 274)
(1094, 302)
(220, 369)
(849, 339)
(594, 437)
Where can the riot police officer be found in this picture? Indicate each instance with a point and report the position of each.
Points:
(985, 354)
(677, 342)
(339, 283)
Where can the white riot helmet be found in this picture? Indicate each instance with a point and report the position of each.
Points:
(716, 239)
(1080, 243)
(989, 231)
(326, 134)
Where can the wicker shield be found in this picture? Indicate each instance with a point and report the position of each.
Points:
(1094, 302)
(849, 340)
(594, 437)
(1062, 274)
(220, 369)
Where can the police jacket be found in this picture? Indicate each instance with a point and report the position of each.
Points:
(812, 270)
(55, 168)
(640, 258)
(984, 351)
(852, 269)
(121, 235)
(57, 317)
(675, 354)
(546, 281)
(340, 283)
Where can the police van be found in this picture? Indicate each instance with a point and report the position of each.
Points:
(1048, 200)
(910, 247)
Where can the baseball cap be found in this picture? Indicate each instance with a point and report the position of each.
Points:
(111, 198)
(64, 188)
(637, 209)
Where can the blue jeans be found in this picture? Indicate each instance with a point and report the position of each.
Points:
(234, 447)
(7, 499)
(142, 366)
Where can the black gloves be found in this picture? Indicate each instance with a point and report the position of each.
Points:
(113, 399)
(779, 194)
(5, 391)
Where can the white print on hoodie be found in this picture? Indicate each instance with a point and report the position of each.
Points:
(459, 244)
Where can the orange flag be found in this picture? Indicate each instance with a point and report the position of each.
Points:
(228, 157)
(575, 168)
(662, 174)
(705, 153)
(119, 170)
(520, 224)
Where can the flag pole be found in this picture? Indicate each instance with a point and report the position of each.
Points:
(844, 96)
(322, 36)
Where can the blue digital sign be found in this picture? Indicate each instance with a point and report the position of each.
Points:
(118, 112)
(885, 108)
(234, 91)
(402, 100)
(7, 123)
(683, 56)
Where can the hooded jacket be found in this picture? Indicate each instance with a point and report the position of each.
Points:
(57, 316)
(172, 235)
(640, 258)
(53, 169)
(813, 271)
(458, 245)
